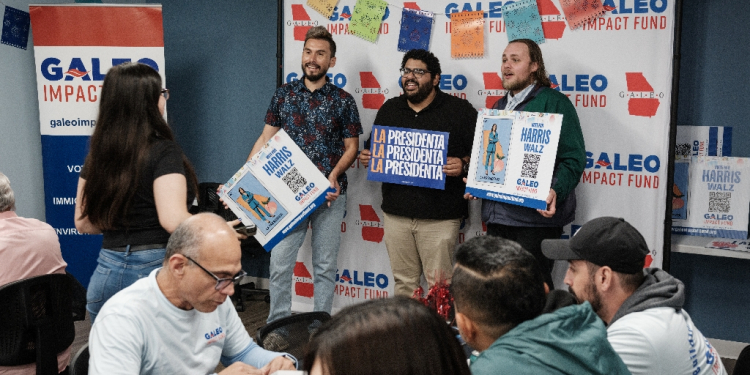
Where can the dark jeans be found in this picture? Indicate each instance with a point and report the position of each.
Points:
(530, 238)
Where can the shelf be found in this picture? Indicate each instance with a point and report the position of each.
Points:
(696, 245)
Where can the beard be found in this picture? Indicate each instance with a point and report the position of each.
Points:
(313, 77)
(423, 91)
(592, 295)
(518, 85)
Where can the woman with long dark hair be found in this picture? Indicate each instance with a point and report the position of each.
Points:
(136, 183)
(393, 336)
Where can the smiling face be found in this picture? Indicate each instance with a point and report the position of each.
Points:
(417, 89)
(517, 67)
(316, 59)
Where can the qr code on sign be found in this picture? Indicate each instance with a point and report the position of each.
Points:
(294, 180)
(530, 165)
(719, 202)
(683, 150)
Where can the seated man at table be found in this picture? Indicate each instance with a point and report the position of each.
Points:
(499, 295)
(178, 320)
(28, 248)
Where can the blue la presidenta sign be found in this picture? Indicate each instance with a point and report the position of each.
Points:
(408, 156)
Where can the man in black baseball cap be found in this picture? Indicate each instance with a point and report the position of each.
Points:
(642, 308)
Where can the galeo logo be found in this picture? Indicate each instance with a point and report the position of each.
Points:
(301, 22)
(493, 88)
(493, 11)
(338, 79)
(553, 23)
(341, 16)
(372, 95)
(363, 285)
(372, 227)
(631, 170)
(90, 70)
(574, 85)
(642, 100)
(629, 15)
(303, 282)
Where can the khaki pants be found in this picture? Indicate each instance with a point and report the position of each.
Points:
(417, 246)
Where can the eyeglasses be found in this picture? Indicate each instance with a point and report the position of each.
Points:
(221, 283)
(165, 93)
(417, 72)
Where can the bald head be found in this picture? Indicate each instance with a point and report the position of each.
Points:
(197, 233)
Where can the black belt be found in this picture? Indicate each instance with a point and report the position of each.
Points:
(151, 246)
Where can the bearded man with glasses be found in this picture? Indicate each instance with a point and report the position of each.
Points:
(179, 319)
(421, 224)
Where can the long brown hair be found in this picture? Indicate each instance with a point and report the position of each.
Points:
(536, 57)
(129, 122)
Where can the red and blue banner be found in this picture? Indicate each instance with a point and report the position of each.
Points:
(74, 47)
(616, 70)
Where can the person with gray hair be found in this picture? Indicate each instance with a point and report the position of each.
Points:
(323, 121)
(28, 248)
(179, 319)
(499, 294)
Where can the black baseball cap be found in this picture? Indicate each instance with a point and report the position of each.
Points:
(605, 241)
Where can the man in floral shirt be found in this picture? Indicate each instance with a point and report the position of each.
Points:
(323, 121)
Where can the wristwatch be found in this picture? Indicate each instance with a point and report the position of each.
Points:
(465, 167)
(291, 358)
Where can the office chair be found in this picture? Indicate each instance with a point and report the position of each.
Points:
(292, 333)
(742, 366)
(79, 363)
(37, 321)
(255, 260)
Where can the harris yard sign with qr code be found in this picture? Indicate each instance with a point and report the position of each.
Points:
(513, 156)
(719, 198)
(275, 190)
(408, 156)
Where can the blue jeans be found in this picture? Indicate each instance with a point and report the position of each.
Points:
(116, 271)
(326, 236)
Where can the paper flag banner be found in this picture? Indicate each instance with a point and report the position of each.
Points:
(366, 19)
(467, 34)
(15, 28)
(324, 7)
(580, 12)
(416, 29)
(522, 21)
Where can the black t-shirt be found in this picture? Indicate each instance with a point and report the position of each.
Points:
(446, 113)
(165, 157)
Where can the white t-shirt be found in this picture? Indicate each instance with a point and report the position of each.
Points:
(138, 331)
(663, 341)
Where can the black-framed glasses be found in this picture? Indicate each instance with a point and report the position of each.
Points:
(221, 283)
(165, 93)
(417, 72)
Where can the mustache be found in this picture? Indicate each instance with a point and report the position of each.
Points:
(414, 81)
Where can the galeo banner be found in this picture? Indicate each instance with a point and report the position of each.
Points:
(616, 70)
(74, 47)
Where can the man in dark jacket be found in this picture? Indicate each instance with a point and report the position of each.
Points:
(499, 296)
(525, 78)
(642, 309)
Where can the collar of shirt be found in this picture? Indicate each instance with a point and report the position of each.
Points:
(300, 86)
(515, 100)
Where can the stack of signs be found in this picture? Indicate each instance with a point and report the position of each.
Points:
(719, 198)
(693, 141)
(408, 156)
(275, 190)
(513, 156)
